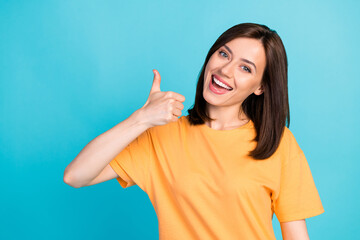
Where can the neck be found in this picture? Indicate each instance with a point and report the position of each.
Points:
(226, 117)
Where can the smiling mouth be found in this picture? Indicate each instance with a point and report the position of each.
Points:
(220, 84)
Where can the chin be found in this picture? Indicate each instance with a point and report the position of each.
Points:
(210, 99)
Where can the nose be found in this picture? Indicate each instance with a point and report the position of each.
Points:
(227, 69)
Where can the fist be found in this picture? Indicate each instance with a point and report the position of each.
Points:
(161, 107)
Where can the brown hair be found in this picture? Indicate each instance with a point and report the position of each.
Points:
(270, 110)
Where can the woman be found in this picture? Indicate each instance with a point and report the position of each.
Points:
(222, 171)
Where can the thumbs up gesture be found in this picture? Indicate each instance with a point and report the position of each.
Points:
(161, 107)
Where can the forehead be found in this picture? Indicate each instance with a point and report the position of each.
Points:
(249, 48)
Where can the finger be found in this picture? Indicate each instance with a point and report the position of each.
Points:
(178, 105)
(174, 118)
(177, 112)
(176, 96)
(156, 82)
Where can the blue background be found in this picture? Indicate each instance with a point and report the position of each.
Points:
(71, 70)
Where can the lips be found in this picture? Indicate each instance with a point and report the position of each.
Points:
(227, 86)
(216, 89)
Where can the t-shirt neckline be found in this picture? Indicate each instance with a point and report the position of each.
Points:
(247, 125)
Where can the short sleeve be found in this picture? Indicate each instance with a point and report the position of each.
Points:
(298, 197)
(132, 163)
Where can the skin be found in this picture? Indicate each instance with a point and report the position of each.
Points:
(226, 108)
(294, 230)
(91, 165)
(229, 67)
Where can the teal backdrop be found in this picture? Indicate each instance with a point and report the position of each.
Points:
(71, 70)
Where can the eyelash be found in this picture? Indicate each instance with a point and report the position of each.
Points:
(247, 69)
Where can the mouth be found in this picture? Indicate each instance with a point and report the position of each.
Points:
(218, 87)
(218, 82)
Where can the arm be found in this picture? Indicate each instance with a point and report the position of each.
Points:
(98, 153)
(91, 165)
(294, 230)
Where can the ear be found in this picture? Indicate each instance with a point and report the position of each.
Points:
(259, 90)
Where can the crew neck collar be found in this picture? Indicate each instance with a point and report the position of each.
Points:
(247, 125)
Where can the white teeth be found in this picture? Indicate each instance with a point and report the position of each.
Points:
(221, 84)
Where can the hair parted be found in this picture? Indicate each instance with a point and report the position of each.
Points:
(270, 110)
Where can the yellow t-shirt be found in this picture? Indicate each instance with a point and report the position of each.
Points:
(203, 185)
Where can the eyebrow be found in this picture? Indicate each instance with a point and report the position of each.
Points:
(244, 59)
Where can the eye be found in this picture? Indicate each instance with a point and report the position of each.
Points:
(223, 53)
(246, 69)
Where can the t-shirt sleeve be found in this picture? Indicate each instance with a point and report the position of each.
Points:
(132, 163)
(298, 197)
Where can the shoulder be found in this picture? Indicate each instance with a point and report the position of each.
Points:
(170, 128)
(288, 146)
(288, 136)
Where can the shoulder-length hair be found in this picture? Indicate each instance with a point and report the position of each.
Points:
(270, 110)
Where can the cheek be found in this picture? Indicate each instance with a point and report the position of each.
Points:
(244, 80)
(207, 73)
(246, 84)
(212, 63)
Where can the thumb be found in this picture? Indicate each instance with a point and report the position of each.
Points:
(156, 82)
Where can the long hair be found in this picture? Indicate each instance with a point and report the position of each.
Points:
(270, 110)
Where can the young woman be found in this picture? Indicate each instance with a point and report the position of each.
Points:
(222, 171)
